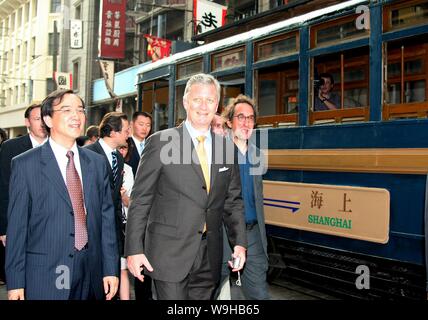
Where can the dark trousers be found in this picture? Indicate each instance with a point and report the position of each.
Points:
(198, 285)
(80, 288)
(2, 262)
(143, 290)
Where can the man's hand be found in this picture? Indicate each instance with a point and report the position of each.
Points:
(3, 240)
(16, 294)
(111, 285)
(136, 264)
(238, 251)
(125, 198)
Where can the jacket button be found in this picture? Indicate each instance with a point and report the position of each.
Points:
(203, 187)
(72, 234)
(200, 232)
(71, 255)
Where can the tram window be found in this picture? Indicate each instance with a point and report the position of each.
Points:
(277, 93)
(406, 73)
(187, 69)
(350, 93)
(277, 46)
(155, 101)
(403, 14)
(180, 112)
(228, 59)
(336, 31)
(231, 87)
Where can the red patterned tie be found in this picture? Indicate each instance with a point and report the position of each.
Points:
(76, 195)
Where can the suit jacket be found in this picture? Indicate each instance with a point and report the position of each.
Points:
(134, 158)
(170, 205)
(115, 190)
(9, 149)
(256, 157)
(40, 235)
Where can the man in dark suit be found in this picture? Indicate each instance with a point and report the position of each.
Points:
(184, 190)
(9, 149)
(114, 131)
(141, 128)
(240, 117)
(61, 233)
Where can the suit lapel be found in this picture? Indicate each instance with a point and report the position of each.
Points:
(215, 166)
(52, 172)
(186, 140)
(85, 165)
(100, 150)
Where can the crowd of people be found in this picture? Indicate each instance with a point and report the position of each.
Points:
(80, 215)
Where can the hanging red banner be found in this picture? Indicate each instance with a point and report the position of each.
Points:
(112, 29)
(157, 48)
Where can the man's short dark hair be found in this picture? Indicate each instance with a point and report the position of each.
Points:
(53, 99)
(29, 109)
(136, 114)
(93, 131)
(327, 75)
(111, 121)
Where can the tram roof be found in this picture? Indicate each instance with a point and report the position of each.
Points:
(246, 36)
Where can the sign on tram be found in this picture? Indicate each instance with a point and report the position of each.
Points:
(352, 212)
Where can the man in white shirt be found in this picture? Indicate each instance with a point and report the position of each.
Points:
(36, 135)
(141, 128)
(61, 232)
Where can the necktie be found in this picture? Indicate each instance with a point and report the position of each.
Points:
(203, 160)
(114, 166)
(75, 191)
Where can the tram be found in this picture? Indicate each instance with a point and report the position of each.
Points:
(366, 160)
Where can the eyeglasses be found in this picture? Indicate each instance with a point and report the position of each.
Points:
(242, 118)
(66, 111)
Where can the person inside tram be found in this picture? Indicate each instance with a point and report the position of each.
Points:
(325, 99)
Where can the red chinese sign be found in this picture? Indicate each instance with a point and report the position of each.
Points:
(157, 48)
(113, 29)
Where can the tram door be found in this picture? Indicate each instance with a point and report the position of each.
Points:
(155, 101)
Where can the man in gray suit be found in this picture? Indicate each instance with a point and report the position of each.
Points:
(240, 117)
(184, 190)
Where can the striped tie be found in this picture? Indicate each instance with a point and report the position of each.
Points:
(114, 166)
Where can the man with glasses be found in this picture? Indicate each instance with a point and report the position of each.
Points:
(61, 235)
(36, 136)
(241, 118)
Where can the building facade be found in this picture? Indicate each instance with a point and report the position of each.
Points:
(27, 56)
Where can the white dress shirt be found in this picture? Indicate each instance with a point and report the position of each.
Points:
(138, 145)
(107, 151)
(35, 143)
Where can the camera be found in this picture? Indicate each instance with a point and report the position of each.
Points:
(318, 83)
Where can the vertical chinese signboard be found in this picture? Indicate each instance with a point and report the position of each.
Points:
(208, 15)
(112, 29)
